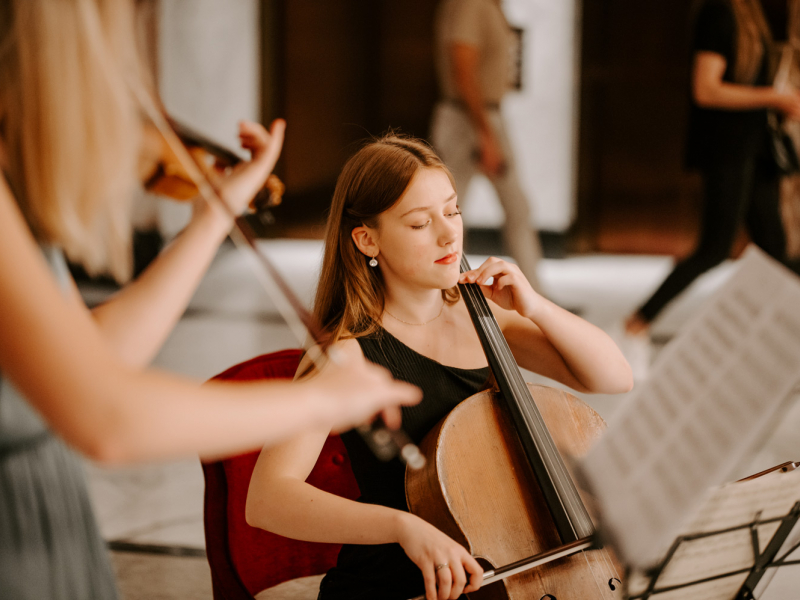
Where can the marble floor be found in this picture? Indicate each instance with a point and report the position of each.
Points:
(145, 509)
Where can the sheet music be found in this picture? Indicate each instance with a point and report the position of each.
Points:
(731, 505)
(712, 395)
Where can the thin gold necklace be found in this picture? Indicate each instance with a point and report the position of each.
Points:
(441, 310)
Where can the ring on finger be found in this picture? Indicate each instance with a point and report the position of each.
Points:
(441, 566)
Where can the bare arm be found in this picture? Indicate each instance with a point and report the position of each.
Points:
(464, 59)
(549, 340)
(55, 355)
(138, 319)
(279, 500)
(710, 91)
(560, 345)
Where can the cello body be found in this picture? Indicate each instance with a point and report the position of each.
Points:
(479, 488)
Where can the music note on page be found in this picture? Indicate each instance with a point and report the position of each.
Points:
(712, 396)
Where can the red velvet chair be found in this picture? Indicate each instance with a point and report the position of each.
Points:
(245, 560)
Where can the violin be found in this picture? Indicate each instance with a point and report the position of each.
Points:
(495, 481)
(165, 174)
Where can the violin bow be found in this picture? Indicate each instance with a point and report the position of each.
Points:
(385, 443)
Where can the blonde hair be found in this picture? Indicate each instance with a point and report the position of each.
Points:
(69, 124)
(753, 39)
(350, 295)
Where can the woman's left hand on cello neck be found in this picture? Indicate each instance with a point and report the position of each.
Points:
(508, 288)
(547, 339)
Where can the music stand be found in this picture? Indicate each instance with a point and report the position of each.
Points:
(762, 560)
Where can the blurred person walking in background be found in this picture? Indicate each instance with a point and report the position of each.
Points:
(729, 139)
(474, 46)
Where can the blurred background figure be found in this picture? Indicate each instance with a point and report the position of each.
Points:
(474, 50)
(729, 139)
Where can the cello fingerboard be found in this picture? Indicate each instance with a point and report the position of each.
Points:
(565, 504)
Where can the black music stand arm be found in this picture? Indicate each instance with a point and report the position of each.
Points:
(763, 560)
(766, 559)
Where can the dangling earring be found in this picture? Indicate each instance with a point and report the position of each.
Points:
(373, 262)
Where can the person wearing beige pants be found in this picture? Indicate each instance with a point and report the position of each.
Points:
(454, 137)
(474, 46)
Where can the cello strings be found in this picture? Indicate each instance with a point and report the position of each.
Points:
(598, 577)
(553, 463)
(610, 564)
(501, 350)
(506, 355)
(533, 416)
(600, 589)
(494, 341)
(500, 347)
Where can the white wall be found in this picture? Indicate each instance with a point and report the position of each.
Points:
(209, 78)
(542, 118)
(208, 74)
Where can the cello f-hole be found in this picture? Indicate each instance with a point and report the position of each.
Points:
(548, 597)
(613, 583)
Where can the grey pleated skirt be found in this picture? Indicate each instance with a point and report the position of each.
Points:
(50, 545)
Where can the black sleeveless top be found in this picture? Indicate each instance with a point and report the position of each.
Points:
(384, 571)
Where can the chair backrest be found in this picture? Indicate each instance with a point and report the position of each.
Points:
(245, 560)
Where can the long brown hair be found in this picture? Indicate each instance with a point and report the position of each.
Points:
(69, 124)
(753, 39)
(350, 295)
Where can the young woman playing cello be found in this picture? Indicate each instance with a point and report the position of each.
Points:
(387, 294)
(69, 131)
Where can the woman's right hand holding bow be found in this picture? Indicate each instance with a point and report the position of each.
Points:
(448, 569)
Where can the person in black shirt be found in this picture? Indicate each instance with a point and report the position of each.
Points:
(387, 293)
(728, 139)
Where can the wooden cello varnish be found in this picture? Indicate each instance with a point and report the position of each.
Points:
(479, 486)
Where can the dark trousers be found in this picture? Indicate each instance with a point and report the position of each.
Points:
(744, 191)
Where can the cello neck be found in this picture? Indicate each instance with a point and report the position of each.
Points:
(565, 504)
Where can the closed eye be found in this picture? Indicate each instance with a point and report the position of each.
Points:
(449, 215)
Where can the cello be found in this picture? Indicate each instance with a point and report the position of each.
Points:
(495, 481)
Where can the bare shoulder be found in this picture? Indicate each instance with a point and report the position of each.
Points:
(348, 349)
